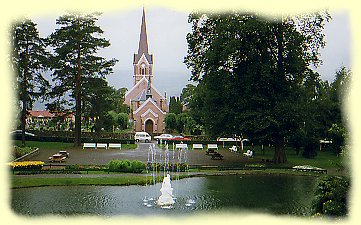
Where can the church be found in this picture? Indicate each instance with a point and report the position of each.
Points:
(147, 105)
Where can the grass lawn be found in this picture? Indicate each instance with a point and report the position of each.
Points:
(46, 145)
(17, 182)
(60, 145)
(324, 159)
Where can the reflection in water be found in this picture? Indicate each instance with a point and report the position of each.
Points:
(267, 194)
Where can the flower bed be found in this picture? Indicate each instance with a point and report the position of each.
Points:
(27, 165)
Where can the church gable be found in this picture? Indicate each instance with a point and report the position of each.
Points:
(148, 104)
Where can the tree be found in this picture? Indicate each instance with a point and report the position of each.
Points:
(250, 72)
(332, 196)
(175, 105)
(76, 43)
(187, 94)
(171, 121)
(29, 60)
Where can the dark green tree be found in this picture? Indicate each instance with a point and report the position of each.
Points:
(187, 94)
(29, 59)
(171, 121)
(332, 196)
(175, 105)
(251, 72)
(76, 43)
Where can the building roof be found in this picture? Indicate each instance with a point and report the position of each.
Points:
(149, 101)
(143, 43)
(41, 113)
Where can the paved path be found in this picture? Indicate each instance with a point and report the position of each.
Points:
(103, 156)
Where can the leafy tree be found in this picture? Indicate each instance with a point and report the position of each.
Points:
(185, 123)
(175, 105)
(250, 72)
(187, 94)
(171, 121)
(29, 60)
(123, 120)
(332, 196)
(76, 43)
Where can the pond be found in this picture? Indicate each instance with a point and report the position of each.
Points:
(272, 194)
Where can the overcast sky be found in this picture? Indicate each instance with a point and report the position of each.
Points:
(167, 31)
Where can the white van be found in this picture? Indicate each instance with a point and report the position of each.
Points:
(142, 136)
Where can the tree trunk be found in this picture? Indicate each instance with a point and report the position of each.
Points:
(24, 97)
(280, 154)
(23, 122)
(77, 130)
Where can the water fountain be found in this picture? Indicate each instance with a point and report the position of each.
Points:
(166, 199)
(171, 163)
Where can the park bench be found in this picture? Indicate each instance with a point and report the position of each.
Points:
(211, 148)
(89, 145)
(217, 155)
(115, 145)
(102, 145)
(181, 146)
(197, 146)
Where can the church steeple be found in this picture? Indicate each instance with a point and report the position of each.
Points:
(143, 42)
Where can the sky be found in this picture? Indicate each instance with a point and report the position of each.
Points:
(167, 30)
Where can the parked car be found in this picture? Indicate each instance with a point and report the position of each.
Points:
(142, 136)
(57, 158)
(179, 138)
(163, 137)
(64, 153)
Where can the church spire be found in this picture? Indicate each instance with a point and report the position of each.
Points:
(143, 42)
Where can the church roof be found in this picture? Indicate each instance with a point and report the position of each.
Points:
(143, 43)
(144, 79)
(148, 101)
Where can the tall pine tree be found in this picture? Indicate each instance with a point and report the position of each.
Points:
(76, 43)
(29, 59)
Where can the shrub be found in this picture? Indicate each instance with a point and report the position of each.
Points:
(20, 151)
(331, 196)
(137, 166)
(126, 166)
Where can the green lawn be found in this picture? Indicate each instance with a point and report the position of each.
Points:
(60, 145)
(17, 182)
(324, 159)
(46, 145)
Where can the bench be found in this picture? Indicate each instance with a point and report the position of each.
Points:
(89, 145)
(217, 155)
(212, 146)
(197, 146)
(181, 146)
(102, 145)
(115, 145)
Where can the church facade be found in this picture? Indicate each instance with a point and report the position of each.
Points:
(148, 106)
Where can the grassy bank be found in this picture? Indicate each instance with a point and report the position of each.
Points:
(140, 179)
(17, 182)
